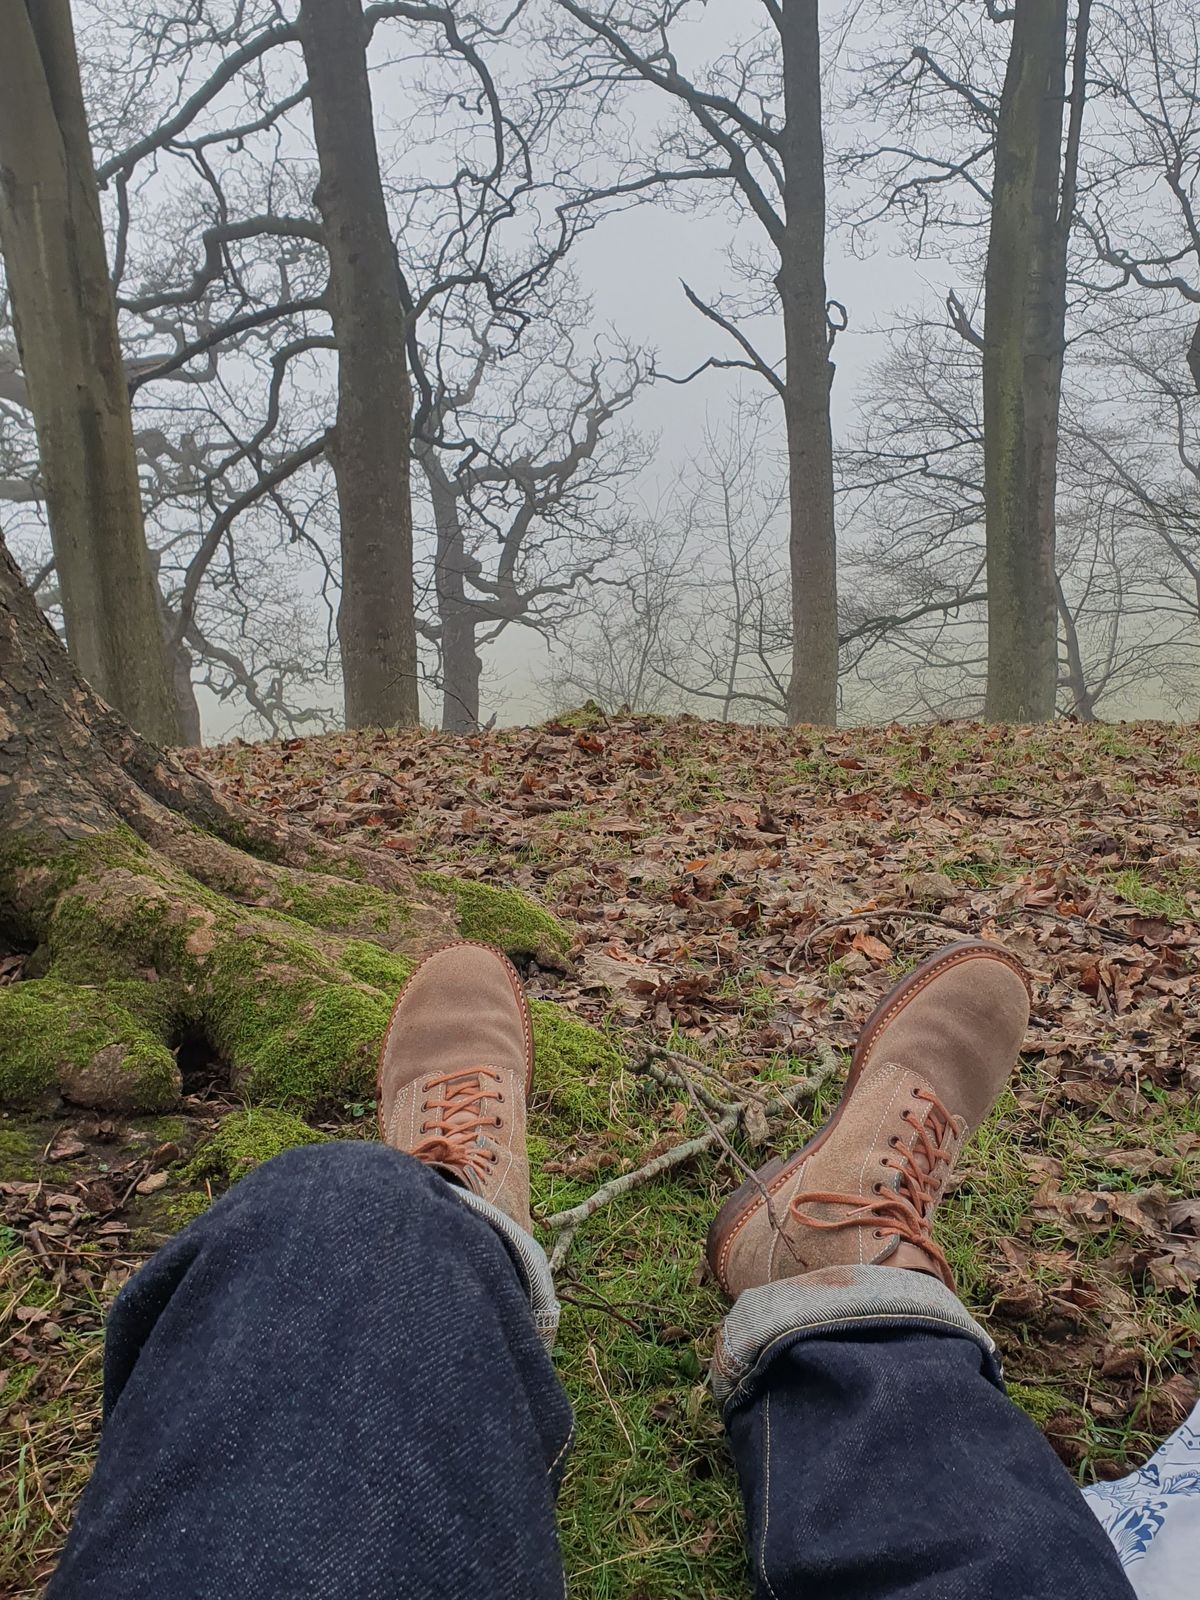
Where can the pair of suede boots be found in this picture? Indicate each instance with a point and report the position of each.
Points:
(457, 1065)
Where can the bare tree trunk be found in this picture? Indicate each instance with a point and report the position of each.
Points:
(1024, 346)
(461, 666)
(66, 325)
(370, 448)
(1081, 697)
(179, 659)
(812, 693)
(187, 708)
(461, 669)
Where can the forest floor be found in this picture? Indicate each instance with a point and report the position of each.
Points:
(740, 897)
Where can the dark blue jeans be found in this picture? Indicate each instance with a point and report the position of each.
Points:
(331, 1386)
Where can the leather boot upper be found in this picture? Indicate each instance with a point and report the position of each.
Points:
(454, 1072)
(929, 1065)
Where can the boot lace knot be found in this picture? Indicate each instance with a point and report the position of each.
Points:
(455, 1121)
(906, 1209)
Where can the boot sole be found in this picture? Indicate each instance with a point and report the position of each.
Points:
(755, 1191)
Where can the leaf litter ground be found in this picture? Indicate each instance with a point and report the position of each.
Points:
(740, 897)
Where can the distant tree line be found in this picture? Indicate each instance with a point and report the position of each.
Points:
(298, 380)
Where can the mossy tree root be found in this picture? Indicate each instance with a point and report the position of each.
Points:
(154, 905)
(292, 993)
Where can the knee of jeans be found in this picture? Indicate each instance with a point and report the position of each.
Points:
(346, 1177)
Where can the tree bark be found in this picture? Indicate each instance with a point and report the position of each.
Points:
(812, 692)
(66, 326)
(187, 707)
(1024, 347)
(371, 444)
(1076, 676)
(461, 666)
(461, 670)
(71, 767)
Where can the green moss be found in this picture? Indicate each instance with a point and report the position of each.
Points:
(316, 1044)
(116, 847)
(318, 862)
(244, 1140)
(574, 1066)
(183, 1208)
(19, 1153)
(163, 1130)
(297, 1016)
(588, 715)
(346, 907)
(123, 923)
(1038, 1402)
(502, 917)
(90, 1043)
(380, 968)
(241, 839)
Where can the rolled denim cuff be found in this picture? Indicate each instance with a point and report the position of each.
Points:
(825, 1303)
(530, 1261)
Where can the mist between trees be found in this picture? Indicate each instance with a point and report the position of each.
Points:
(308, 413)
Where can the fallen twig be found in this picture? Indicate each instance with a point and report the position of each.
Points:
(597, 1302)
(722, 1140)
(566, 1224)
(671, 1079)
(1104, 929)
(562, 1246)
(737, 1091)
(876, 916)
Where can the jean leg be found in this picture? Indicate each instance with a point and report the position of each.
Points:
(879, 1458)
(329, 1385)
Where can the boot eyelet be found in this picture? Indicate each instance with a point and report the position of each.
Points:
(879, 1233)
(878, 1188)
(894, 1142)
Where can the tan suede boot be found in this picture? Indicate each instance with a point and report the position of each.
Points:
(930, 1063)
(454, 1072)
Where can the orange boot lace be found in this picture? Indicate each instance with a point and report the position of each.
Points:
(454, 1123)
(907, 1209)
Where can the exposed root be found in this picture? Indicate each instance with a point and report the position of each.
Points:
(288, 974)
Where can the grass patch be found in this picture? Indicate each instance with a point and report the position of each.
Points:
(649, 1506)
(1134, 889)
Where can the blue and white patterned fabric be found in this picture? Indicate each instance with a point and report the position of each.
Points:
(1153, 1517)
